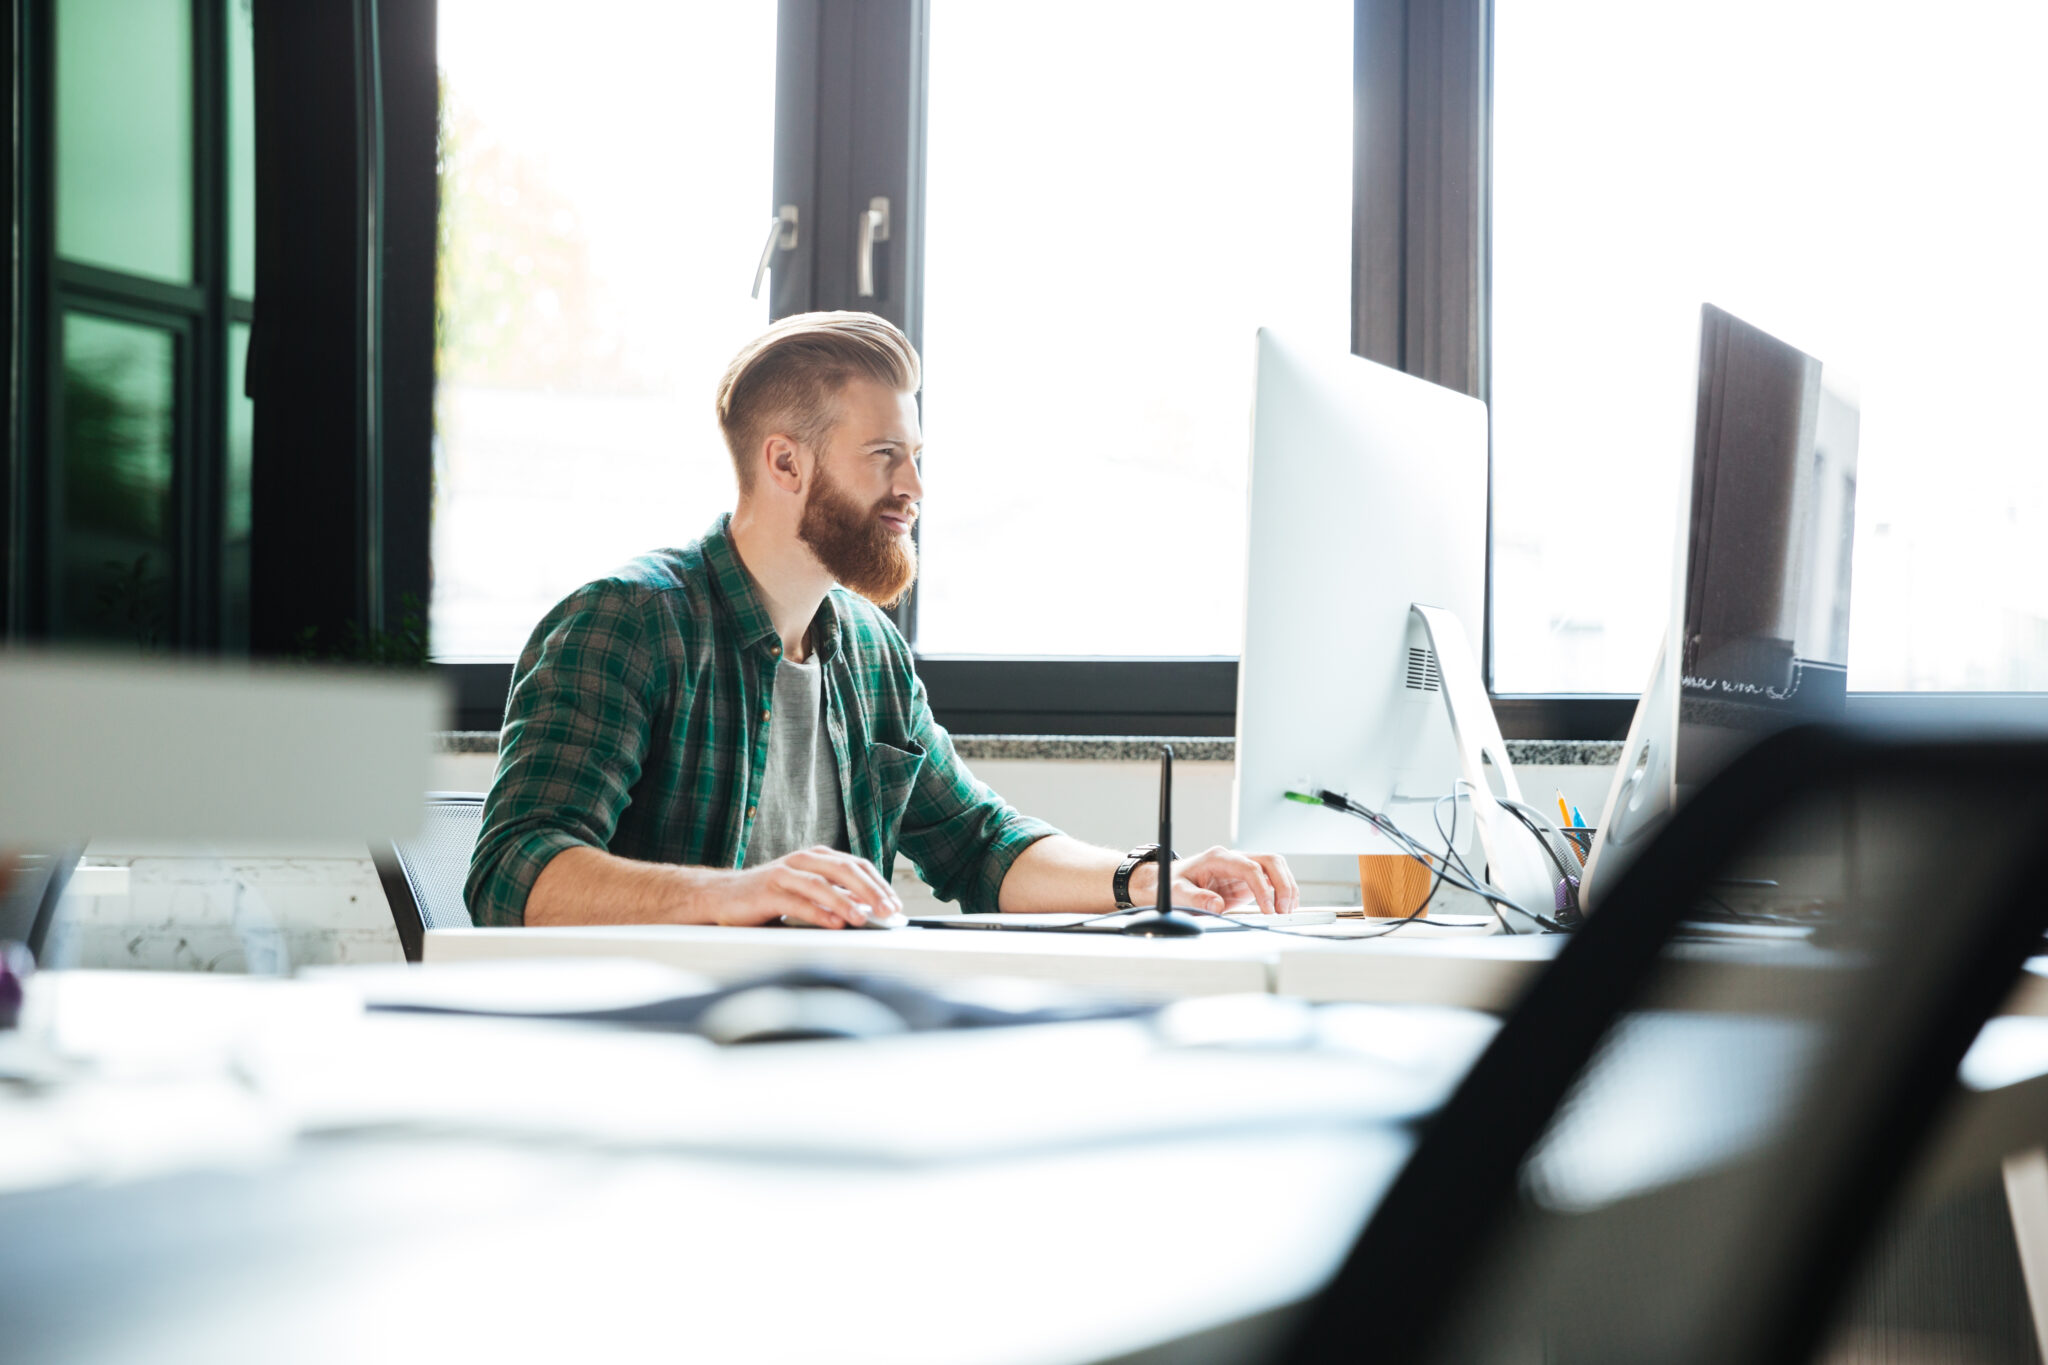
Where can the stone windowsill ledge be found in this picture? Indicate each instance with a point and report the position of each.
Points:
(1127, 748)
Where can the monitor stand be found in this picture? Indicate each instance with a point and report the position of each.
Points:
(1516, 862)
(1645, 787)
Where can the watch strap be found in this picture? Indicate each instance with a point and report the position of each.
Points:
(1121, 885)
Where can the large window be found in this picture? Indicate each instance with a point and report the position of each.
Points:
(605, 190)
(1119, 196)
(1858, 179)
(1092, 214)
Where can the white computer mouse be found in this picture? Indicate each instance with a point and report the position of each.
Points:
(895, 919)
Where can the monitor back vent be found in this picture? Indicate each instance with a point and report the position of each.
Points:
(1422, 671)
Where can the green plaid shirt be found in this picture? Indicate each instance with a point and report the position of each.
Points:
(638, 723)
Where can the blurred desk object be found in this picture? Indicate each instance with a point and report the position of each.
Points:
(1136, 968)
(209, 1169)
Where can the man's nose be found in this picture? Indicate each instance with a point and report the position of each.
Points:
(909, 483)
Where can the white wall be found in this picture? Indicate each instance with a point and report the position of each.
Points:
(264, 910)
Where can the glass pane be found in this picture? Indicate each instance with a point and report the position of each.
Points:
(115, 524)
(235, 522)
(597, 252)
(1767, 164)
(1119, 198)
(124, 135)
(241, 151)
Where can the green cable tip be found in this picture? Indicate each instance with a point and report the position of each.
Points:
(1305, 798)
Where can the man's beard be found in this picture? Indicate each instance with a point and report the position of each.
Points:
(855, 546)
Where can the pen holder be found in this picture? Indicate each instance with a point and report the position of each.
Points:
(1392, 885)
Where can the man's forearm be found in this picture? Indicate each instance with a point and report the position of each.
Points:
(590, 886)
(818, 886)
(1061, 874)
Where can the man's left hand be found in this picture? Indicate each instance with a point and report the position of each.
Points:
(1224, 879)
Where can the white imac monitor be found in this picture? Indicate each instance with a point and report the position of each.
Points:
(1368, 497)
(1758, 637)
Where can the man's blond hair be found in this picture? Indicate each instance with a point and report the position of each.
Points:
(785, 380)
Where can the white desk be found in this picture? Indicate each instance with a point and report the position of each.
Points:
(642, 1170)
(1491, 973)
(1479, 973)
(1133, 968)
(1467, 973)
(935, 1197)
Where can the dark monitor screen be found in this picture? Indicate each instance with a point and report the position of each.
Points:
(1765, 638)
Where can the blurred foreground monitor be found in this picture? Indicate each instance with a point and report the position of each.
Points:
(100, 748)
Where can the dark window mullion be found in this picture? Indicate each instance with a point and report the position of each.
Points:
(866, 140)
(33, 47)
(187, 434)
(792, 281)
(201, 461)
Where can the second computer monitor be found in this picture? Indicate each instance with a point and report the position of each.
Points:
(1758, 637)
(1368, 494)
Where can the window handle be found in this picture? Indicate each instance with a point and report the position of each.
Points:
(781, 237)
(873, 227)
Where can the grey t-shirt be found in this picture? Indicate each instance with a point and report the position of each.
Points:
(799, 803)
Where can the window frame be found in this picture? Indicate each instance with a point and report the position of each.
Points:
(341, 351)
(850, 113)
(43, 287)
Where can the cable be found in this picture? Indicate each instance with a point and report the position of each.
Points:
(1525, 814)
(1465, 881)
(1441, 864)
(1543, 830)
(1436, 817)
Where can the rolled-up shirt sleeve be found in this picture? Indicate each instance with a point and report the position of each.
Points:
(577, 727)
(962, 836)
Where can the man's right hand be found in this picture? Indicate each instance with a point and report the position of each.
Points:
(818, 885)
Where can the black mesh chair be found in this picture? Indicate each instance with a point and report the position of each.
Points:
(1680, 1145)
(423, 875)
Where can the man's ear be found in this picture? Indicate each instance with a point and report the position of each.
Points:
(785, 463)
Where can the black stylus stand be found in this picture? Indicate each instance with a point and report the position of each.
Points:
(1164, 921)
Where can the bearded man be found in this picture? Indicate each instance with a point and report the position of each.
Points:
(733, 732)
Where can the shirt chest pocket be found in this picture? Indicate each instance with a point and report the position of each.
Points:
(892, 776)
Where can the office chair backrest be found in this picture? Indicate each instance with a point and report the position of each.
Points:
(28, 905)
(423, 875)
(1676, 1150)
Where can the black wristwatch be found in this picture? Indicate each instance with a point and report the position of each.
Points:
(1143, 853)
